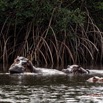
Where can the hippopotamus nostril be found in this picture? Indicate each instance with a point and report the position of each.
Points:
(24, 63)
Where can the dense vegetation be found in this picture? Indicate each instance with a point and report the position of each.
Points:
(51, 32)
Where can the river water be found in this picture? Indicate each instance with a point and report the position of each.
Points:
(31, 88)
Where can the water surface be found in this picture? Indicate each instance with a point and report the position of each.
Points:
(41, 89)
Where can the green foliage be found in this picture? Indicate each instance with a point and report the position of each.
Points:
(77, 16)
(65, 18)
(99, 5)
(39, 11)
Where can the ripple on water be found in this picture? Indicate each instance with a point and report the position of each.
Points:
(90, 99)
(7, 101)
(24, 90)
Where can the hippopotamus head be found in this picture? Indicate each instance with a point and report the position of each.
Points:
(21, 65)
(95, 79)
(75, 69)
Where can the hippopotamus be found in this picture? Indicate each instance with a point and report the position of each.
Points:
(95, 79)
(75, 69)
(22, 64)
(19, 65)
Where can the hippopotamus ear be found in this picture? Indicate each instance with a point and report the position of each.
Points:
(30, 66)
(18, 56)
(15, 60)
(68, 66)
(29, 63)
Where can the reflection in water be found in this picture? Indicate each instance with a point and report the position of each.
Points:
(39, 89)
